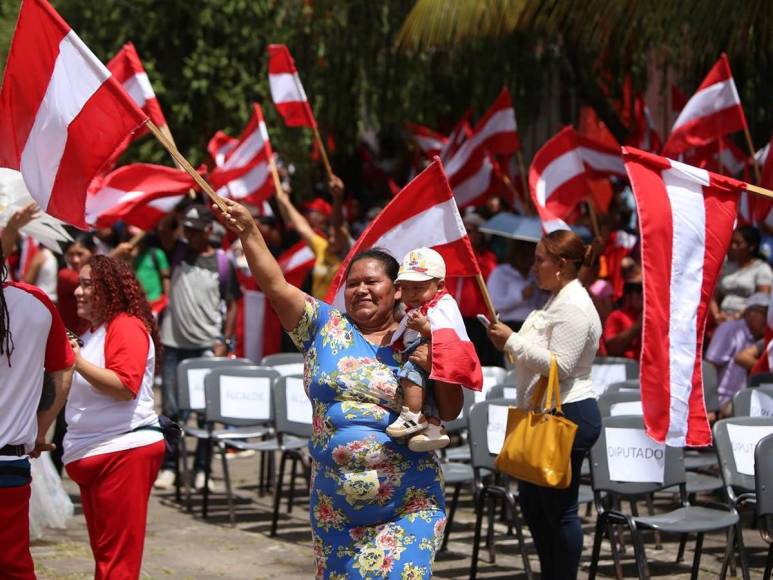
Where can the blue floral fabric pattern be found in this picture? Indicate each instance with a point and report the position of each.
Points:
(377, 508)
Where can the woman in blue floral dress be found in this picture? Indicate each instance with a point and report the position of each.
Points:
(377, 508)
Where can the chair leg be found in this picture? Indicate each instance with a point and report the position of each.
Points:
(207, 475)
(451, 514)
(615, 552)
(278, 494)
(768, 564)
(596, 552)
(639, 554)
(186, 474)
(492, 554)
(651, 512)
(741, 551)
(290, 498)
(479, 501)
(696, 559)
(227, 481)
(682, 546)
(729, 552)
(516, 523)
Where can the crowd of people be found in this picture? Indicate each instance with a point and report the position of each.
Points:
(119, 309)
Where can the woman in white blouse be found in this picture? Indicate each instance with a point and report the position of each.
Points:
(569, 327)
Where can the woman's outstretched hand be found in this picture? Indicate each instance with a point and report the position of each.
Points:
(236, 218)
(498, 333)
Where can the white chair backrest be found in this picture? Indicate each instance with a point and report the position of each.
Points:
(299, 408)
(496, 427)
(744, 439)
(243, 397)
(603, 375)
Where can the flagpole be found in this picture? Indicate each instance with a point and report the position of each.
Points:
(185, 166)
(322, 152)
(524, 182)
(594, 220)
(759, 190)
(492, 312)
(168, 134)
(750, 144)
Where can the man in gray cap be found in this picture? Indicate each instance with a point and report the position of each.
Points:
(201, 316)
(730, 339)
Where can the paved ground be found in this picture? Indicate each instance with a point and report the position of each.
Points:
(182, 545)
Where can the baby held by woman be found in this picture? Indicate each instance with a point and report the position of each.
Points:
(432, 317)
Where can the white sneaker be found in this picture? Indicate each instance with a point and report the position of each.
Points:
(199, 479)
(406, 424)
(433, 437)
(164, 479)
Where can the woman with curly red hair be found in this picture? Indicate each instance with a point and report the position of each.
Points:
(114, 444)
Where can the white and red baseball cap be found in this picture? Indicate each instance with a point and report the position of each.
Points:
(422, 264)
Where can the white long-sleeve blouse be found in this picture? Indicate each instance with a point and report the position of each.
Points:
(569, 327)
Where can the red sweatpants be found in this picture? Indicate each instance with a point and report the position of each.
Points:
(115, 488)
(15, 558)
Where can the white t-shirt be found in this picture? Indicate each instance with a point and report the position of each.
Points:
(40, 344)
(99, 423)
(506, 286)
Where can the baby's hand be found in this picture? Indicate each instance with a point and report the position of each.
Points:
(417, 321)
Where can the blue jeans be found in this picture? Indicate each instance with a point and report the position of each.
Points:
(172, 357)
(551, 514)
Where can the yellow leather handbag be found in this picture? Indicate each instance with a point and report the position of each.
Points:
(538, 443)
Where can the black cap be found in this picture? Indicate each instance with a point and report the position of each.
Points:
(197, 217)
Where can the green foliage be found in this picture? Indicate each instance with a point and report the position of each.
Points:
(207, 60)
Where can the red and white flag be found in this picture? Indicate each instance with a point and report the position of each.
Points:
(286, 88)
(462, 131)
(126, 67)
(686, 219)
(423, 214)
(600, 159)
(62, 114)
(244, 173)
(139, 194)
(454, 359)
(219, 146)
(558, 180)
(713, 111)
(429, 142)
(296, 262)
(644, 135)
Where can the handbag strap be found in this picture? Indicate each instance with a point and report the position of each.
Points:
(549, 384)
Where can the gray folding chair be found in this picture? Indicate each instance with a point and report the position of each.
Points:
(753, 402)
(609, 370)
(240, 399)
(459, 426)
(623, 402)
(286, 363)
(629, 385)
(498, 392)
(710, 386)
(490, 485)
(739, 486)
(684, 520)
(761, 380)
(763, 477)
(293, 417)
(191, 398)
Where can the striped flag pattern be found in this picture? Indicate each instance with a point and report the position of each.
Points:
(686, 216)
(286, 88)
(713, 111)
(62, 114)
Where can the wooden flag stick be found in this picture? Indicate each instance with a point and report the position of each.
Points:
(168, 134)
(759, 190)
(323, 152)
(750, 144)
(524, 182)
(492, 312)
(137, 238)
(594, 220)
(182, 162)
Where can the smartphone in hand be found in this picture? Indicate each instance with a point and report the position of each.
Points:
(483, 319)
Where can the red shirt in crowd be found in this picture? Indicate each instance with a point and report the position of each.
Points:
(466, 290)
(619, 321)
